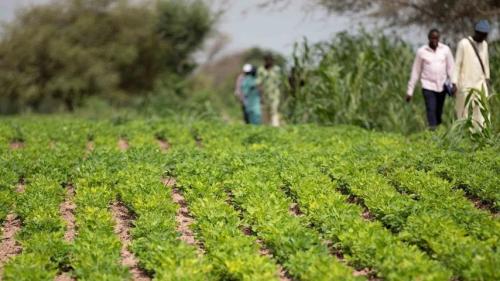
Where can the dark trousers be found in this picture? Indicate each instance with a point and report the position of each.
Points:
(434, 103)
(245, 114)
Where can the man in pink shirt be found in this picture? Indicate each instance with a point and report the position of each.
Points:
(434, 66)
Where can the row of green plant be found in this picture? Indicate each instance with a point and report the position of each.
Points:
(44, 172)
(337, 220)
(250, 179)
(420, 203)
(217, 225)
(230, 254)
(470, 172)
(418, 220)
(265, 211)
(257, 191)
(380, 199)
(42, 232)
(8, 181)
(96, 249)
(476, 261)
(156, 241)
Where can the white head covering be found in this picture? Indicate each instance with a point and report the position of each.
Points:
(247, 68)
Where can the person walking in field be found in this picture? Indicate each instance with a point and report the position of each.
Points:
(434, 66)
(269, 81)
(472, 71)
(239, 93)
(251, 94)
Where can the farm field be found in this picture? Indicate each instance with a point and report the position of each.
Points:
(159, 200)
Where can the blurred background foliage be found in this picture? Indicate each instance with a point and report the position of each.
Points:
(54, 56)
(105, 57)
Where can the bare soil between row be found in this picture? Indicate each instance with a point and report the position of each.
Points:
(123, 223)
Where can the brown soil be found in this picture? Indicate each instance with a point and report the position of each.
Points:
(9, 246)
(183, 217)
(264, 251)
(90, 146)
(15, 145)
(283, 275)
(169, 182)
(339, 254)
(67, 210)
(369, 273)
(123, 144)
(294, 210)
(334, 250)
(355, 200)
(21, 186)
(367, 215)
(480, 204)
(164, 145)
(123, 222)
(64, 277)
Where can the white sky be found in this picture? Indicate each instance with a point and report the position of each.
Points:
(278, 28)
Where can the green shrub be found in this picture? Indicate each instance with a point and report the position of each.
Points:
(56, 55)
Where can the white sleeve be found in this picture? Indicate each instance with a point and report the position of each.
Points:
(459, 59)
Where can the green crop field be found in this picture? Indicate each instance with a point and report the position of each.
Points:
(159, 200)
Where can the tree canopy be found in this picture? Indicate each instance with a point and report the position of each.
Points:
(457, 16)
(58, 54)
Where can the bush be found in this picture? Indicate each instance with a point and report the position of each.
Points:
(54, 56)
(358, 80)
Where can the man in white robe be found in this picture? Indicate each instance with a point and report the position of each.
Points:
(472, 70)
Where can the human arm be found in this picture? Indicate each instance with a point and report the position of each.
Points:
(487, 64)
(415, 75)
(450, 67)
(238, 92)
(457, 70)
(259, 79)
(450, 64)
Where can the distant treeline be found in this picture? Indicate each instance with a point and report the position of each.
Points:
(54, 56)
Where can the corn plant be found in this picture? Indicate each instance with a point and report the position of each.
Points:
(479, 132)
(359, 80)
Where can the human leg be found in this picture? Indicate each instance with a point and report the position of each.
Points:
(245, 114)
(460, 107)
(431, 108)
(440, 98)
(275, 121)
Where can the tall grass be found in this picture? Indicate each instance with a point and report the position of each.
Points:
(360, 80)
(475, 134)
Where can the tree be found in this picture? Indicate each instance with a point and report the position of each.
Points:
(457, 16)
(183, 25)
(56, 55)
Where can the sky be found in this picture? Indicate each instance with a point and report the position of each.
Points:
(248, 25)
(278, 28)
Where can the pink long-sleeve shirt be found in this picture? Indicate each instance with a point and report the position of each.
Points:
(433, 67)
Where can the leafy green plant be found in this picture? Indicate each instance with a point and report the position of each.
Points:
(57, 55)
(478, 133)
(358, 80)
(401, 208)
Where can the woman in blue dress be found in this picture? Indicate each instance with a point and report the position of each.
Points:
(251, 92)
